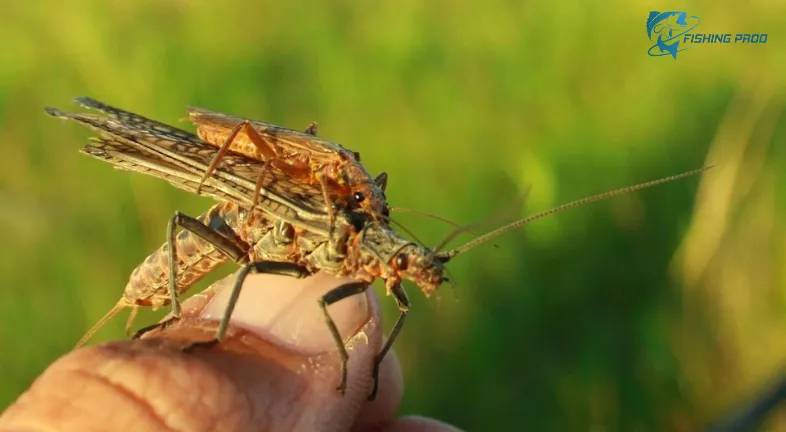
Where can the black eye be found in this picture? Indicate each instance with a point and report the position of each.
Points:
(386, 212)
(359, 197)
(401, 262)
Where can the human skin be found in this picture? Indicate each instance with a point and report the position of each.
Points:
(277, 369)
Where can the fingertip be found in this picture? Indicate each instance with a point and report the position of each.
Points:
(285, 310)
(278, 320)
(391, 389)
(418, 424)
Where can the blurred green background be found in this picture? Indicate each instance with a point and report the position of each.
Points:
(655, 311)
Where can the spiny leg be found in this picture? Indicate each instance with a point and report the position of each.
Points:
(310, 130)
(232, 249)
(332, 296)
(262, 146)
(268, 267)
(403, 306)
(258, 187)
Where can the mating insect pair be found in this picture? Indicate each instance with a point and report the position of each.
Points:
(281, 224)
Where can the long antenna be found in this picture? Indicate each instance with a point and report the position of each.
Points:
(446, 256)
(431, 216)
(513, 207)
(424, 214)
(406, 230)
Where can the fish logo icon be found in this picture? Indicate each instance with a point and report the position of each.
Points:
(668, 27)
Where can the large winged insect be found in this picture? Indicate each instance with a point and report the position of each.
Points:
(369, 250)
(144, 146)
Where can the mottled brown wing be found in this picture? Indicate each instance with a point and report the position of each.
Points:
(290, 140)
(127, 158)
(175, 145)
(168, 152)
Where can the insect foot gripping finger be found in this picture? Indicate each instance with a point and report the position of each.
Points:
(157, 326)
(190, 348)
(269, 267)
(332, 296)
(403, 306)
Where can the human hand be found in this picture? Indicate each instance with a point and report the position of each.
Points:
(278, 372)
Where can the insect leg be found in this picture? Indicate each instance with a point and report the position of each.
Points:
(258, 187)
(269, 267)
(232, 249)
(311, 129)
(328, 203)
(332, 296)
(403, 306)
(263, 147)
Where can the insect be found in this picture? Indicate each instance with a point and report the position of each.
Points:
(180, 157)
(369, 249)
(301, 155)
(153, 148)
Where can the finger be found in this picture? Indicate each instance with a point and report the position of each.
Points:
(284, 311)
(418, 424)
(372, 413)
(382, 410)
(391, 384)
(274, 375)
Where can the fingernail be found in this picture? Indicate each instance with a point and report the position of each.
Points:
(284, 310)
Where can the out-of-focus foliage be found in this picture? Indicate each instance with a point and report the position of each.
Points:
(656, 311)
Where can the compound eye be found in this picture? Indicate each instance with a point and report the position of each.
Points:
(359, 197)
(402, 261)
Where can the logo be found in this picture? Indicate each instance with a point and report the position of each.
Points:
(670, 33)
(668, 27)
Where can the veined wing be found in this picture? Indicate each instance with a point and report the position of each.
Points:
(125, 157)
(170, 143)
(180, 153)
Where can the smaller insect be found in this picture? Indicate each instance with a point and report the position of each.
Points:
(303, 156)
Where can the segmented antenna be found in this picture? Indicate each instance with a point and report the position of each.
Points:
(425, 214)
(445, 257)
(489, 220)
(406, 230)
(458, 227)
